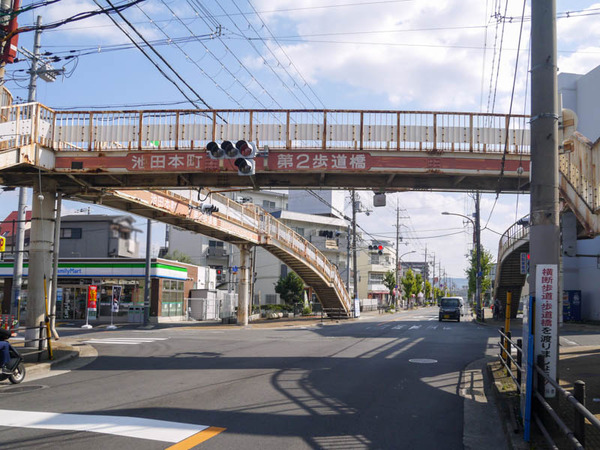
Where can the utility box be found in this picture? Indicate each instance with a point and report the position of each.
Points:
(203, 304)
(572, 306)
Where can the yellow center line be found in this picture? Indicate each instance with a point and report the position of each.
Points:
(196, 439)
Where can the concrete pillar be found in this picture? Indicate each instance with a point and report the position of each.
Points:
(244, 285)
(40, 256)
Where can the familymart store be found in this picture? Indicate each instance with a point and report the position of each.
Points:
(120, 279)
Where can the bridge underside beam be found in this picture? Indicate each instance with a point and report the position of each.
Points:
(75, 182)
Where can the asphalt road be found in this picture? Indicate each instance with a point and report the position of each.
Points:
(384, 382)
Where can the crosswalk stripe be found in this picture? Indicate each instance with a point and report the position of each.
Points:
(124, 341)
(415, 327)
(134, 427)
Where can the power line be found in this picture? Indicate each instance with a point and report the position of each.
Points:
(287, 56)
(193, 102)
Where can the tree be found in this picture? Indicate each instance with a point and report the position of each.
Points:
(486, 268)
(409, 283)
(178, 256)
(290, 288)
(389, 281)
(419, 283)
(427, 290)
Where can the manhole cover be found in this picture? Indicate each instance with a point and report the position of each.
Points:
(20, 389)
(422, 361)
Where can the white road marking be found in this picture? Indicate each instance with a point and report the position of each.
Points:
(433, 327)
(123, 341)
(398, 327)
(135, 427)
(569, 342)
(448, 328)
(415, 327)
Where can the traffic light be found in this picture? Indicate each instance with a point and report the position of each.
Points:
(2, 244)
(379, 248)
(245, 161)
(208, 209)
(243, 152)
(216, 151)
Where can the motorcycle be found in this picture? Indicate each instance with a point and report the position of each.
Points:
(14, 370)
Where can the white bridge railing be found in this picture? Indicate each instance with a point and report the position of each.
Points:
(278, 129)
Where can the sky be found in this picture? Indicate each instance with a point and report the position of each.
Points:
(421, 55)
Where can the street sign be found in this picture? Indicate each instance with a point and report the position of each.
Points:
(2, 244)
(524, 264)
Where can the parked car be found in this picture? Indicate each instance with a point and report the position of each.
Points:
(451, 308)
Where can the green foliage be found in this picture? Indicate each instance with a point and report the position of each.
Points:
(290, 288)
(389, 281)
(419, 283)
(178, 256)
(409, 283)
(427, 289)
(486, 268)
(306, 311)
(278, 308)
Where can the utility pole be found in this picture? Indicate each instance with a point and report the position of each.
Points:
(348, 234)
(544, 232)
(22, 205)
(425, 273)
(433, 279)
(147, 279)
(355, 275)
(478, 256)
(397, 250)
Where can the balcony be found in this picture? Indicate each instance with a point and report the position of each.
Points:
(216, 252)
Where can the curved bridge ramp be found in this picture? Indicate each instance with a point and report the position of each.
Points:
(240, 224)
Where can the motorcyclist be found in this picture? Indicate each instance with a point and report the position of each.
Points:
(4, 354)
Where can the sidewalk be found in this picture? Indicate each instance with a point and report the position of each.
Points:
(575, 363)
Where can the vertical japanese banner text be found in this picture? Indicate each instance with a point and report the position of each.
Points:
(92, 301)
(546, 320)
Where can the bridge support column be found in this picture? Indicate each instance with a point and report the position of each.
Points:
(40, 257)
(244, 285)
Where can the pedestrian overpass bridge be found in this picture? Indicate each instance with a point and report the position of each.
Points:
(579, 192)
(141, 161)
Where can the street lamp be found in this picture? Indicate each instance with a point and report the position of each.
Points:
(477, 231)
(398, 267)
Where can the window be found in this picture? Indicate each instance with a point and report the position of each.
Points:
(271, 299)
(374, 258)
(172, 298)
(70, 233)
(215, 244)
(268, 205)
(284, 271)
(299, 230)
(125, 235)
(375, 278)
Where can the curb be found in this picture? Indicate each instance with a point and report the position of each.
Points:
(72, 352)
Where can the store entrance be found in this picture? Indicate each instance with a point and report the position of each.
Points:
(71, 302)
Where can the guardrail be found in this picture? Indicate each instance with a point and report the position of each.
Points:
(43, 337)
(576, 437)
(281, 129)
(507, 344)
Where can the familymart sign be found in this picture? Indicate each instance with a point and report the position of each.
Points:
(129, 269)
